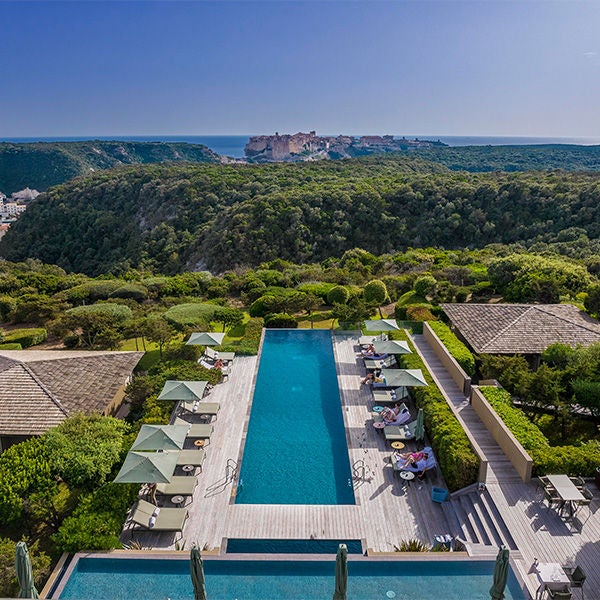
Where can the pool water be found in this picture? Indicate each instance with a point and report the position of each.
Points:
(295, 450)
(258, 546)
(153, 579)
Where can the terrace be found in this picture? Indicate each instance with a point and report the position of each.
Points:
(385, 512)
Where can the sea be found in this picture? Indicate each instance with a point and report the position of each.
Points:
(233, 145)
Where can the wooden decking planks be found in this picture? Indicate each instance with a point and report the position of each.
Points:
(385, 512)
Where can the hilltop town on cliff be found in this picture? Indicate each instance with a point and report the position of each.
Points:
(310, 146)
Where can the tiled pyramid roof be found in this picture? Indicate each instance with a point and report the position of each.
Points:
(39, 389)
(521, 328)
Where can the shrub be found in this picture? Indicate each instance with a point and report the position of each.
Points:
(118, 312)
(419, 312)
(577, 460)
(424, 285)
(320, 289)
(281, 320)
(91, 291)
(26, 337)
(97, 521)
(9, 585)
(338, 295)
(262, 306)
(135, 291)
(11, 347)
(457, 349)
(184, 316)
(456, 457)
(412, 546)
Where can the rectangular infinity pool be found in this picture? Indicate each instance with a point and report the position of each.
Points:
(156, 579)
(296, 451)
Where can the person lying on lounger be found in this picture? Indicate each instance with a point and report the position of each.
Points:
(370, 351)
(412, 458)
(373, 377)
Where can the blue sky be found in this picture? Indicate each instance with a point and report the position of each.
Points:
(529, 68)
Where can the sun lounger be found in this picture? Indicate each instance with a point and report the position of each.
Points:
(371, 363)
(394, 433)
(196, 430)
(401, 418)
(216, 354)
(225, 370)
(385, 396)
(423, 465)
(367, 340)
(149, 516)
(201, 408)
(191, 457)
(180, 485)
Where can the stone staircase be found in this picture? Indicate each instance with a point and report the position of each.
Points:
(473, 518)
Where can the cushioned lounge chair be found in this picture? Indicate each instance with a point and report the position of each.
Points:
(191, 457)
(401, 418)
(215, 354)
(371, 364)
(180, 485)
(394, 433)
(196, 430)
(201, 408)
(423, 465)
(166, 519)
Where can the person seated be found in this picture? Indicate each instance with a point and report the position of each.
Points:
(389, 415)
(374, 377)
(370, 351)
(218, 364)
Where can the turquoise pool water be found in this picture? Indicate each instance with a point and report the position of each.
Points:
(256, 546)
(295, 450)
(153, 579)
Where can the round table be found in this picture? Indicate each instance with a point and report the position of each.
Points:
(407, 476)
(188, 468)
(397, 445)
(177, 499)
(377, 409)
(379, 425)
(199, 443)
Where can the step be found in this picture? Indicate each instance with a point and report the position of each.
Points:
(478, 522)
(499, 523)
(464, 516)
(486, 521)
(454, 526)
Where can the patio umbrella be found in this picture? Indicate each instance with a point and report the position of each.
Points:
(24, 572)
(205, 338)
(392, 347)
(147, 467)
(197, 573)
(183, 390)
(341, 573)
(403, 377)
(160, 437)
(500, 574)
(419, 427)
(381, 325)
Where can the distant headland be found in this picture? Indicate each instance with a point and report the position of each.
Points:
(300, 146)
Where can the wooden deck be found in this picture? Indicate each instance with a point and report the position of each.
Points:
(385, 513)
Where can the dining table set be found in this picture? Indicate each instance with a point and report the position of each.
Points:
(566, 493)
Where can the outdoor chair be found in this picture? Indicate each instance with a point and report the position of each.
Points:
(401, 418)
(423, 465)
(578, 482)
(151, 517)
(576, 576)
(394, 433)
(560, 594)
(180, 485)
(215, 354)
(551, 496)
(196, 430)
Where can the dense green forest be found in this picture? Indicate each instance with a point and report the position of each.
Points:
(515, 158)
(171, 218)
(44, 164)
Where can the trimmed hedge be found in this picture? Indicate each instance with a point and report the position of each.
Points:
(26, 337)
(457, 349)
(249, 344)
(119, 312)
(192, 314)
(281, 321)
(454, 453)
(11, 347)
(575, 460)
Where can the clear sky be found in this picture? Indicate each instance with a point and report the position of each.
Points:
(529, 68)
